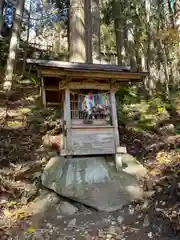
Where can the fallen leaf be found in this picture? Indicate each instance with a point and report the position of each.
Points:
(11, 204)
(31, 230)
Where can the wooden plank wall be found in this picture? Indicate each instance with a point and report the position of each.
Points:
(93, 141)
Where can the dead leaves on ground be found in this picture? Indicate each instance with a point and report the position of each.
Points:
(7, 188)
(16, 214)
(29, 171)
(166, 161)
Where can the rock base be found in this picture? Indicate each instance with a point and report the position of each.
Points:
(131, 166)
(91, 181)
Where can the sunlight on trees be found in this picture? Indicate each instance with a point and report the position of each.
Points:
(139, 33)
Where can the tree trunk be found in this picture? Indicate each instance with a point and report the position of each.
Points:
(149, 83)
(1, 15)
(138, 46)
(168, 14)
(11, 61)
(96, 21)
(88, 30)
(77, 50)
(132, 52)
(27, 40)
(164, 21)
(177, 18)
(138, 49)
(126, 44)
(171, 12)
(119, 28)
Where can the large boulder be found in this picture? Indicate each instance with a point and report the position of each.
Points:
(91, 181)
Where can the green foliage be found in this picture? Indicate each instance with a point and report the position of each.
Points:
(35, 80)
(156, 104)
(63, 4)
(128, 95)
(136, 112)
(107, 12)
(108, 44)
(4, 47)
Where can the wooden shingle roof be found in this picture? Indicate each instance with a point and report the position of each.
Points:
(56, 68)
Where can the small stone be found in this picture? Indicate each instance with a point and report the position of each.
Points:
(131, 210)
(67, 208)
(146, 221)
(113, 222)
(168, 129)
(112, 230)
(107, 220)
(119, 237)
(109, 236)
(120, 219)
(149, 184)
(101, 234)
(150, 235)
(118, 230)
(49, 225)
(140, 216)
(72, 223)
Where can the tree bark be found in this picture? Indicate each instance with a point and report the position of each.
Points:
(88, 30)
(177, 18)
(77, 49)
(164, 21)
(11, 61)
(27, 40)
(132, 53)
(96, 30)
(119, 29)
(149, 83)
(1, 15)
(171, 11)
(168, 14)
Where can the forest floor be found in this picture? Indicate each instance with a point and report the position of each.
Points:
(22, 159)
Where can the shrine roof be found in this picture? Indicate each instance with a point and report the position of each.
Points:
(73, 69)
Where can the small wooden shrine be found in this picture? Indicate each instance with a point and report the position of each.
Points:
(85, 96)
